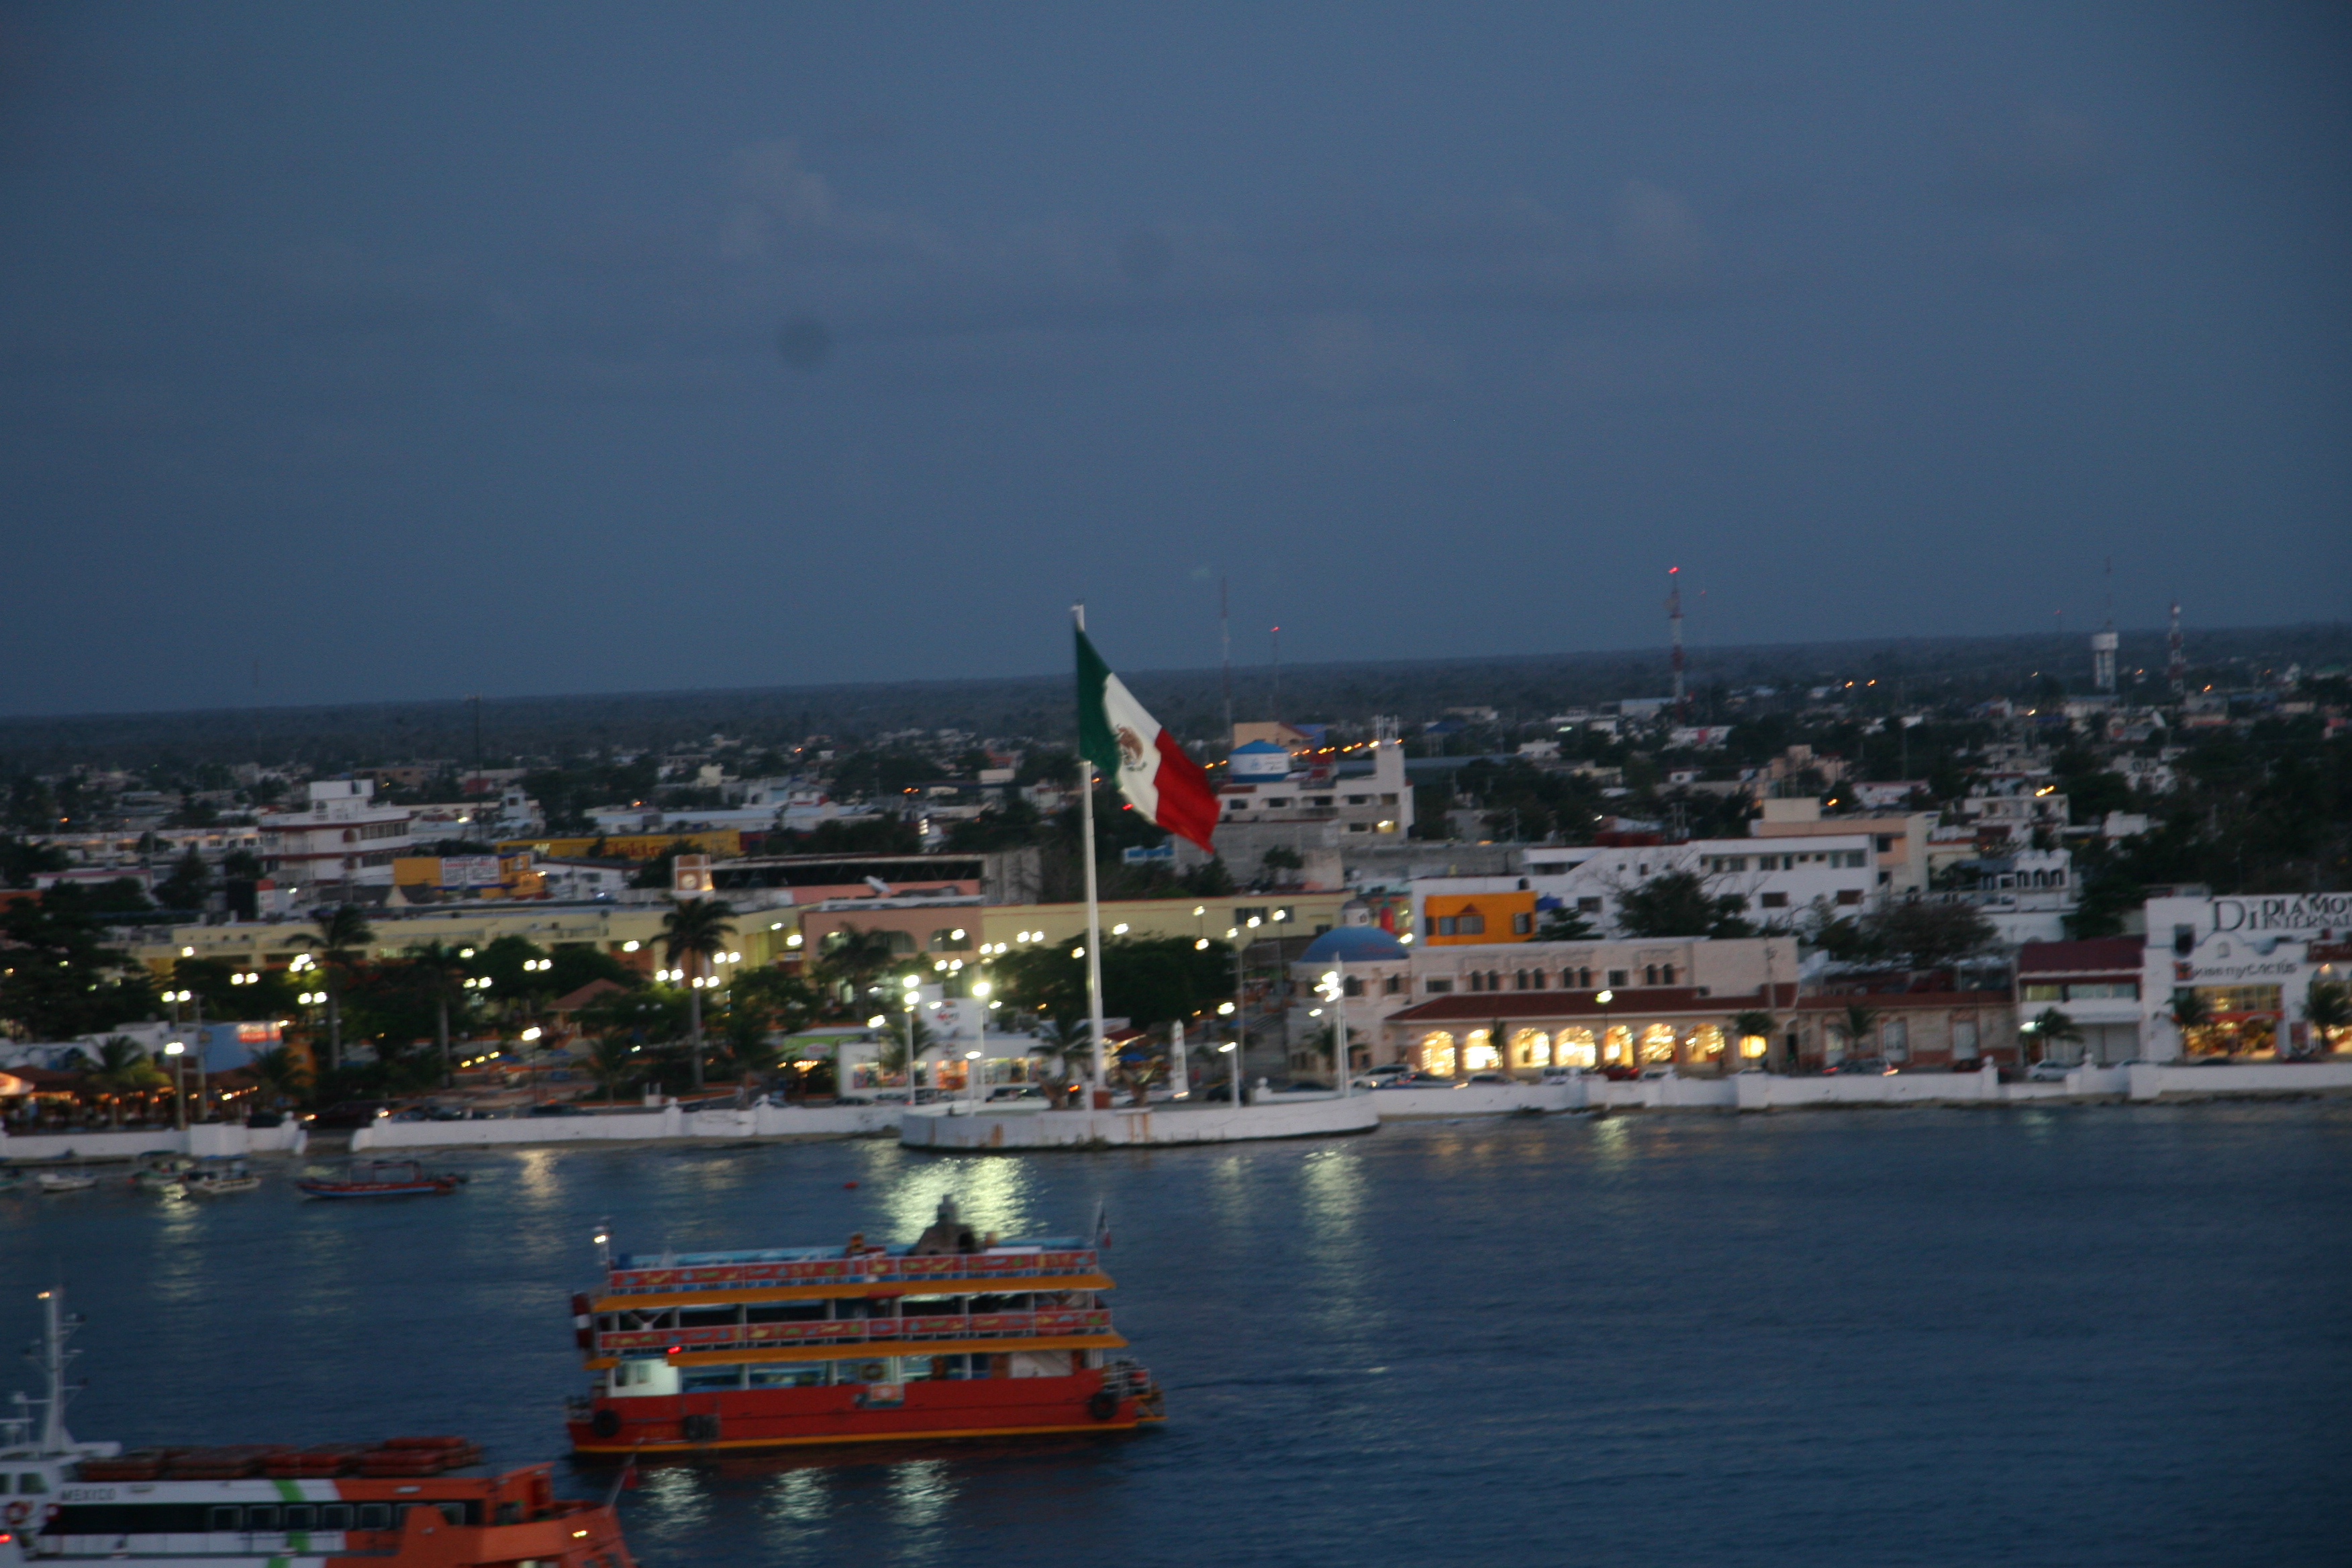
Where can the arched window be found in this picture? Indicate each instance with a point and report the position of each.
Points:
(1479, 1053)
(1617, 1046)
(1649, 974)
(1658, 1043)
(1530, 1048)
(1437, 1053)
(1706, 1044)
(1573, 1047)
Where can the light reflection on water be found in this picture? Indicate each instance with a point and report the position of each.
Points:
(1834, 1337)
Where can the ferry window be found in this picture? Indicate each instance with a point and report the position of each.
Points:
(706, 1377)
(707, 1318)
(301, 1516)
(786, 1313)
(376, 1515)
(30, 1481)
(261, 1517)
(335, 1516)
(226, 1518)
(803, 1375)
(457, 1513)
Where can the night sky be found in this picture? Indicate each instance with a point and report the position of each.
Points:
(419, 349)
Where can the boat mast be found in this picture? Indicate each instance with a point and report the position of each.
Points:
(51, 1359)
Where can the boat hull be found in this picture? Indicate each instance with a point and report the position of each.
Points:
(376, 1189)
(926, 1411)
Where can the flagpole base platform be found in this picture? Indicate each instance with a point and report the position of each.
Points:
(1160, 1125)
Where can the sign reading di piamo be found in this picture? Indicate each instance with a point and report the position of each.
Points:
(2285, 912)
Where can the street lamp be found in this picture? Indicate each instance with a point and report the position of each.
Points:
(1334, 990)
(971, 1077)
(1231, 1049)
(1604, 998)
(173, 1048)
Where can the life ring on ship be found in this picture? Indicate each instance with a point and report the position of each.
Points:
(606, 1422)
(1102, 1404)
(19, 1512)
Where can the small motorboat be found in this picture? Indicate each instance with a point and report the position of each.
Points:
(161, 1172)
(386, 1179)
(212, 1179)
(64, 1180)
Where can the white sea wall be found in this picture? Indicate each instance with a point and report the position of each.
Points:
(2174, 1080)
(633, 1125)
(207, 1140)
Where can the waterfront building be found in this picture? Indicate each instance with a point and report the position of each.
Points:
(2233, 976)
(2096, 983)
(343, 838)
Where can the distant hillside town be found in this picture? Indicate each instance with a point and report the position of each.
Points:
(2117, 862)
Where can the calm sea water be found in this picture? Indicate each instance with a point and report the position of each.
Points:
(2096, 1335)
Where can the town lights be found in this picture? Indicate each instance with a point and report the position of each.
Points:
(187, 952)
(1225, 1010)
(877, 1021)
(1120, 930)
(1077, 953)
(464, 952)
(532, 1033)
(1252, 922)
(982, 988)
(793, 940)
(1202, 945)
(630, 946)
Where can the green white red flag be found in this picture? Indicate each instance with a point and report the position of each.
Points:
(1125, 743)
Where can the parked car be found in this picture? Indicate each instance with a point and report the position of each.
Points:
(1620, 1073)
(1492, 1078)
(1565, 1075)
(1016, 1092)
(353, 1114)
(1865, 1067)
(1418, 1080)
(2049, 1072)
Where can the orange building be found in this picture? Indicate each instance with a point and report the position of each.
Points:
(1451, 919)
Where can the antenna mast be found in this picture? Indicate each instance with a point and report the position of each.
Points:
(1225, 649)
(2176, 661)
(1675, 627)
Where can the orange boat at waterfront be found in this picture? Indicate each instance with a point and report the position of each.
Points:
(954, 1336)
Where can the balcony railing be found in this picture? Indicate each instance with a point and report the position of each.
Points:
(856, 1331)
(879, 1268)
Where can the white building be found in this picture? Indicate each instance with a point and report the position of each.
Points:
(1775, 881)
(343, 837)
(2246, 966)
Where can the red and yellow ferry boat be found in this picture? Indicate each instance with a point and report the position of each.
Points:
(954, 1336)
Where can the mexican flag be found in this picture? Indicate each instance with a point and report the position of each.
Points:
(1126, 744)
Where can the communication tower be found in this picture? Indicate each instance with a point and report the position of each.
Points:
(2176, 661)
(1674, 628)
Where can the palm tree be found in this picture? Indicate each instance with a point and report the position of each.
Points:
(343, 935)
(613, 1063)
(123, 1069)
(2192, 1016)
(856, 956)
(280, 1075)
(1060, 1043)
(2327, 1008)
(1861, 1018)
(2052, 1025)
(440, 973)
(700, 927)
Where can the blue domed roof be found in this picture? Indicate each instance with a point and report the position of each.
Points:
(1353, 945)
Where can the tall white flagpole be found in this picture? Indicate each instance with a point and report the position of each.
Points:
(1094, 902)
